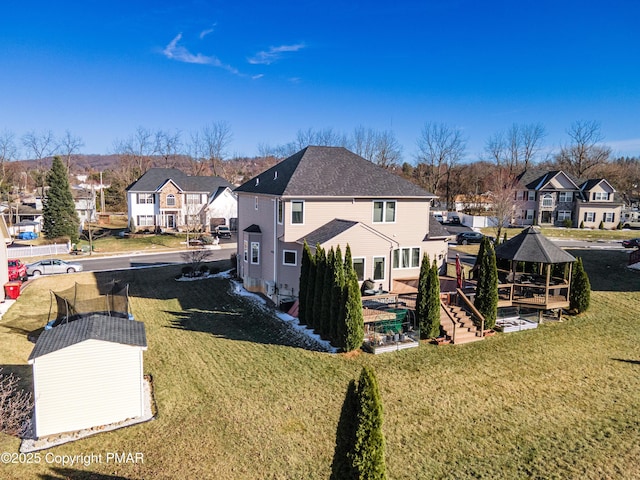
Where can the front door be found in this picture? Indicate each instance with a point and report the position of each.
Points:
(171, 220)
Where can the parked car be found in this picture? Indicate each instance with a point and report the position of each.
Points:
(465, 238)
(53, 265)
(438, 217)
(453, 219)
(634, 242)
(222, 231)
(17, 270)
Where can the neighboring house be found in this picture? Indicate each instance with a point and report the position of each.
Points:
(332, 197)
(554, 197)
(473, 203)
(85, 203)
(88, 373)
(169, 199)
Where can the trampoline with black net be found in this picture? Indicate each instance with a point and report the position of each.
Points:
(81, 301)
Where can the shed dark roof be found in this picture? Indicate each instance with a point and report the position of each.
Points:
(253, 228)
(436, 230)
(330, 172)
(154, 178)
(531, 246)
(94, 327)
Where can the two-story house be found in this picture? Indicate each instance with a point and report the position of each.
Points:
(169, 199)
(556, 198)
(332, 197)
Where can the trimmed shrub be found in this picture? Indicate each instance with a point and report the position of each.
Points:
(580, 296)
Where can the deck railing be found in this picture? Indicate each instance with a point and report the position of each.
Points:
(471, 309)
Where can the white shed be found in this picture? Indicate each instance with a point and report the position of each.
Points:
(88, 373)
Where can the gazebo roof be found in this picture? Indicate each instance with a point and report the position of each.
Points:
(531, 246)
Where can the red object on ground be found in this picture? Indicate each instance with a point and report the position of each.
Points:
(17, 269)
(458, 272)
(12, 289)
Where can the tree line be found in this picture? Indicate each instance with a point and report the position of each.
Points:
(441, 164)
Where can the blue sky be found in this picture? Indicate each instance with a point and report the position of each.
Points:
(100, 69)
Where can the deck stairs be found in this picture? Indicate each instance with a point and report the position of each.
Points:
(465, 330)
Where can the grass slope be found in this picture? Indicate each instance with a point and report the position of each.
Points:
(238, 398)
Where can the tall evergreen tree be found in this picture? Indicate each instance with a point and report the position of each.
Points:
(311, 291)
(422, 298)
(345, 436)
(59, 217)
(348, 262)
(321, 261)
(367, 457)
(336, 295)
(433, 301)
(353, 319)
(580, 296)
(325, 314)
(305, 266)
(486, 300)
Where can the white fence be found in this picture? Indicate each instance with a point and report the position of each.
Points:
(39, 250)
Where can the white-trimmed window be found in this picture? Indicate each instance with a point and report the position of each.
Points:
(358, 266)
(255, 203)
(379, 268)
(609, 217)
(145, 220)
(297, 212)
(520, 195)
(255, 252)
(384, 211)
(191, 219)
(171, 200)
(547, 200)
(193, 199)
(530, 214)
(280, 211)
(144, 198)
(289, 257)
(531, 195)
(406, 257)
(564, 215)
(566, 197)
(246, 251)
(589, 216)
(600, 196)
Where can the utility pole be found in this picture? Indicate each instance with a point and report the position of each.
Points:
(101, 194)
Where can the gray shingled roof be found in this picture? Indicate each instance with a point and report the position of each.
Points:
(327, 231)
(531, 246)
(154, 178)
(436, 230)
(331, 172)
(94, 327)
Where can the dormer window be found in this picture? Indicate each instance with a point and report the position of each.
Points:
(600, 196)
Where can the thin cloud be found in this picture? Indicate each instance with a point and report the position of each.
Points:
(206, 32)
(176, 52)
(267, 57)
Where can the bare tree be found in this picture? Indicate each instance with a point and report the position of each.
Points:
(516, 148)
(585, 150)
(15, 405)
(326, 138)
(380, 148)
(195, 150)
(69, 146)
(502, 190)
(440, 148)
(135, 154)
(168, 145)
(40, 145)
(8, 152)
(216, 137)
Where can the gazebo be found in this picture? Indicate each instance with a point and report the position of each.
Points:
(538, 274)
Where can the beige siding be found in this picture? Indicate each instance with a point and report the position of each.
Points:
(85, 385)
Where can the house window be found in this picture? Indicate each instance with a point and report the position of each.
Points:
(600, 196)
(255, 203)
(547, 200)
(531, 195)
(406, 257)
(378, 268)
(145, 220)
(297, 212)
(144, 197)
(255, 252)
(191, 220)
(289, 257)
(358, 266)
(609, 217)
(566, 197)
(171, 200)
(564, 215)
(193, 199)
(530, 214)
(280, 211)
(246, 251)
(384, 211)
(520, 195)
(589, 216)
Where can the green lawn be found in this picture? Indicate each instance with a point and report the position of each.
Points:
(238, 398)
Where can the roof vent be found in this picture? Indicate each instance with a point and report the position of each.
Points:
(257, 182)
(275, 175)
